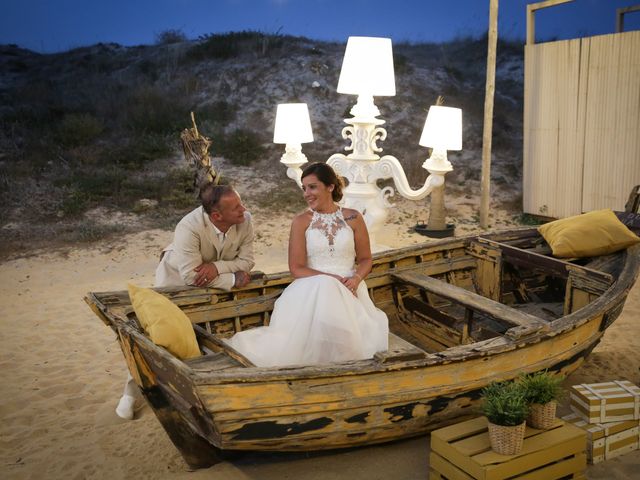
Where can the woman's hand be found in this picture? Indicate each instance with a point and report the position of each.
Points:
(352, 283)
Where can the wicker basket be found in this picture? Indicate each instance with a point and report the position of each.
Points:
(542, 416)
(506, 440)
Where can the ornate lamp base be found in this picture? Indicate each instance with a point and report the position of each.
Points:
(447, 231)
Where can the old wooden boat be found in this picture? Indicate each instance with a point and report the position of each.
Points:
(463, 312)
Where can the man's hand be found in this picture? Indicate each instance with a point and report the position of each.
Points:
(242, 279)
(205, 274)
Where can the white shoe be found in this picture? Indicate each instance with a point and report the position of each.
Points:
(125, 408)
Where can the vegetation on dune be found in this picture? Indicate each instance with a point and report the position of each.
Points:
(100, 126)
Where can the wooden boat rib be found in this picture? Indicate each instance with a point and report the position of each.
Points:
(462, 312)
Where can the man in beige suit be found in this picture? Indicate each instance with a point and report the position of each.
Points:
(213, 247)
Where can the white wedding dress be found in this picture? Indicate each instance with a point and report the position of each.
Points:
(317, 320)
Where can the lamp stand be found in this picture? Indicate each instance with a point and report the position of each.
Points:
(437, 226)
(363, 168)
(293, 158)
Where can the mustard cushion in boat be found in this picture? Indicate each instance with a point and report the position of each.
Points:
(588, 235)
(164, 322)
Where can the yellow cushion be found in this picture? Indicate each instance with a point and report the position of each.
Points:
(164, 322)
(587, 235)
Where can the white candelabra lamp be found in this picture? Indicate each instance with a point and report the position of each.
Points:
(367, 71)
(293, 128)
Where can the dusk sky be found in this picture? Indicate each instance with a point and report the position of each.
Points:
(59, 25)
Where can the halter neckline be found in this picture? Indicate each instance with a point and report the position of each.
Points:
(325, 213)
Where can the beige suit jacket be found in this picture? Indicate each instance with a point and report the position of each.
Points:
(195, 242)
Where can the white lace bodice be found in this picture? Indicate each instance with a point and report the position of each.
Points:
(330, 244)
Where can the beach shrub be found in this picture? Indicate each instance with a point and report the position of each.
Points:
(136, 153)
(95, 184)
(77, 129)
(242, 147)
(167, 37)
(224, 46)
(91, 231)
(286, 198)
(401, 65)
(150, 109)
(74, 202)
(528, 219)
(218, 113)
(114, 186)
(173, 189)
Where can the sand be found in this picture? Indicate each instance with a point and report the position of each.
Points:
(62, 371)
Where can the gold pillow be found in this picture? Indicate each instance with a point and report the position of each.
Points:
(164, 322)
(587, 235)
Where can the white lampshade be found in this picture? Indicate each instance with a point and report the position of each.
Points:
(443, 128)
(292, 124)
(367, 67)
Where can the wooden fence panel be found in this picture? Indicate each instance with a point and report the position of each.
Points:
(581, 124)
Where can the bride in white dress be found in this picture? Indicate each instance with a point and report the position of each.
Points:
(325, 315)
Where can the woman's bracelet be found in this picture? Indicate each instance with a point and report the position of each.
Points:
(356, 275)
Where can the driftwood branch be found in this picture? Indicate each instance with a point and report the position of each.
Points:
(196, 153)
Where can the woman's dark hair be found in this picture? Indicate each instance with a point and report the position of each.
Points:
(211, 194)
(326, 175)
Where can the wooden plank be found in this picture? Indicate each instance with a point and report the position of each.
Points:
(488, 275)
(474, 301)
(213, 362)
(613, 76)
(236, 308)
(417, 250)
(217, 345)
(555, 266)
(399, 350)
(427, 330)
(455, 432)
(574, 466)
(631, 219)
(425, 310)
(567, 184)
(429, 335)
(445, 469)
(449, 451)
(540, 138)
(437, 267)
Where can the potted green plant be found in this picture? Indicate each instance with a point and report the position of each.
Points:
(542, 390)
(506, 409)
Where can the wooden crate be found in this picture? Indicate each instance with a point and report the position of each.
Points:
(606, 402)
(463, 451)
(607, 440)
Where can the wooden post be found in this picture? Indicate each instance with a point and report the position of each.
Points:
(531, 20)
(620, 12)
(492, 40)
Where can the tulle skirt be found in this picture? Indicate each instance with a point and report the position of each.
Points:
(316, 320)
